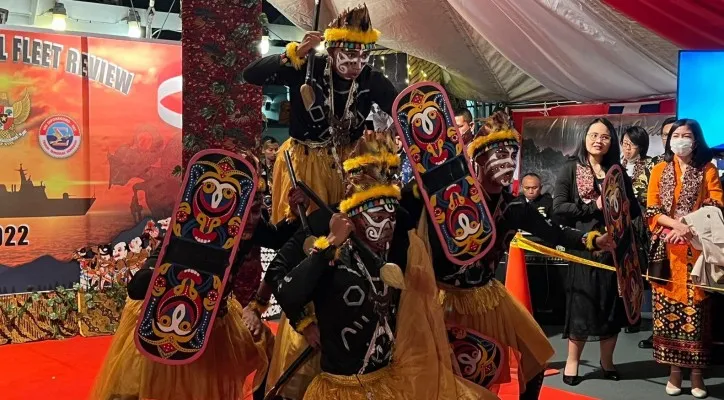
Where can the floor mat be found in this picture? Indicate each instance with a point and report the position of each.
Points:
(66, 369)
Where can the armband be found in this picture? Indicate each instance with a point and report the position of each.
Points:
(291, 54)
(589, 239)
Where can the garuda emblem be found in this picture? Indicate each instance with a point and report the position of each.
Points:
(11, 117)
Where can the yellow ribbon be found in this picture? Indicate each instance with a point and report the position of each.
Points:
(524, 243)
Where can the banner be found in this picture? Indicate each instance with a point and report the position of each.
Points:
(90, 132)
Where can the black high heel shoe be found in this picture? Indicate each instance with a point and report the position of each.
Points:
(572, 380)
(610, 375)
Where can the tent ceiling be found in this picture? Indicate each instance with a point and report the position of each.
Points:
(515, 51)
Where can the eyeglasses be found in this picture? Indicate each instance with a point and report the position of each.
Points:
(628, 145)
(595, 136)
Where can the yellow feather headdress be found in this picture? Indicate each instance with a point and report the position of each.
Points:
(370, 173)
(352, 30)
(497, 130)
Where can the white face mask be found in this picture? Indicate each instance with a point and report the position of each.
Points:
(682, 147)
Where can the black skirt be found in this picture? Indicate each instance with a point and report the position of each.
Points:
(594, 310)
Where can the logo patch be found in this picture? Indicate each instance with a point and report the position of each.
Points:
(59, 136)
(11, 117)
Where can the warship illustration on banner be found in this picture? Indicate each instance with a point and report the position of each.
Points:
(28, 200)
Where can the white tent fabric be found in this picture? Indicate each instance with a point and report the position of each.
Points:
(519, 50)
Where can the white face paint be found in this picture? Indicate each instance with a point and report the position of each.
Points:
(349, 63)
(500, 163)
(376, 225)
(374, 229)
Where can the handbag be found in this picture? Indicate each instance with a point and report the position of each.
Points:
(659, 267)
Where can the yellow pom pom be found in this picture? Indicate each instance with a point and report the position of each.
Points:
(321, 243)
(291, 52)
(591, 240)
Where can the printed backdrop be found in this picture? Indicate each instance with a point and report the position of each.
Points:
(549, 141)
(90, 132)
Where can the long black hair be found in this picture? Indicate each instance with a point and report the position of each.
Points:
(639, 137)
(702, 153)
(612, 156)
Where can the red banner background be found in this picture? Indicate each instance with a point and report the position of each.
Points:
(126, 101)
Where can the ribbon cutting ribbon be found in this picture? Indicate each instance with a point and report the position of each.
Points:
(524, 243)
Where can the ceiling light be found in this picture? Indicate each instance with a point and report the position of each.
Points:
(59, 17)
(264, 45)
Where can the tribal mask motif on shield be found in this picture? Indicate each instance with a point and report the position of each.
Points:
(208, 210)
(187, 289)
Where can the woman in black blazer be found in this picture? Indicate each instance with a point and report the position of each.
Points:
(594, 311)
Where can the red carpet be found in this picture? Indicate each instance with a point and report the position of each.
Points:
(65, 370)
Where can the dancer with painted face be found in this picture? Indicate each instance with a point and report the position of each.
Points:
(238, 344)
(380, 332)
(344, 90)
(472, 297)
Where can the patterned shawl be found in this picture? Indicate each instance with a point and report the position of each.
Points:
(691, 182)
(586, 184)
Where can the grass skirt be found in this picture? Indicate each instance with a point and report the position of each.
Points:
(422, 364)
(219, 374)
(313, 166)
(491, 311)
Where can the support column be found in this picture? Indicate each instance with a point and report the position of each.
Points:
(220, 38)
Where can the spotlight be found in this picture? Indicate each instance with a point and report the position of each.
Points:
(134, 24)
(264, 45)
(59, 17)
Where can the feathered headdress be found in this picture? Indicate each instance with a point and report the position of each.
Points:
(352, 30)
(369, 174)
(496, 131)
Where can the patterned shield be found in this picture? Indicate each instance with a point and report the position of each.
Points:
(193, 267)
(453, 197)
(617, 215)
(479, 359)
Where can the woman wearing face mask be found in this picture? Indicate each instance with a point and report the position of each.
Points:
(684, 182)
(594, 310)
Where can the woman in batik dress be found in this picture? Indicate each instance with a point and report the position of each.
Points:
(685, 181)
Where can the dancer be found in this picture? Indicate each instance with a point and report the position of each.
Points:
(472, 297)
(236, 348)
(364, 320)
(344, 90)
(684, 182)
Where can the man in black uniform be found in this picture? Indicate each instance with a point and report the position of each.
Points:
(532, 193)
(344, 89)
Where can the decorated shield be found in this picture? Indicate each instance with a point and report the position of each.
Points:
(188, 283)
(617, 215)
(478, 358)
(453, 197)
